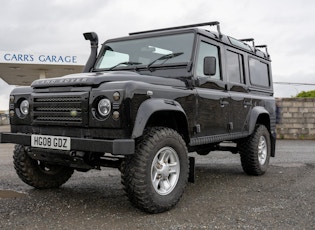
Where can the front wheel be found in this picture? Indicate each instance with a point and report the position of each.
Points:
(39, 174)
(255, 151)
(156, 176)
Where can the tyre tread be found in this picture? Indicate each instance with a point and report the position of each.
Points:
(28, 171)
(134, 173)
(248, 152)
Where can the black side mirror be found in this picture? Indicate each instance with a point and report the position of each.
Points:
(209, 66)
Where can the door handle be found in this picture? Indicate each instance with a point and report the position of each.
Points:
(223, 103)
(247, 103)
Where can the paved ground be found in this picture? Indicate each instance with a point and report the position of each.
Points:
(222, 197)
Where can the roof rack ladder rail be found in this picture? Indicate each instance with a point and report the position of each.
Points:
(215, 23)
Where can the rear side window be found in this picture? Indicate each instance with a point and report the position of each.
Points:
(235, 67)
(259, 74)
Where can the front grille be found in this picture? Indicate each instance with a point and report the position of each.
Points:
(70, 109)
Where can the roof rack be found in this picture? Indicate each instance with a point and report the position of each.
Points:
(254, 46)
(215, 23)
(249, 40)
(264, 47)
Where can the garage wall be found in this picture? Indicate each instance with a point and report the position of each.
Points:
(296, 118)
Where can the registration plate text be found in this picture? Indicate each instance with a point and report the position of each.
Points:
(51, 142)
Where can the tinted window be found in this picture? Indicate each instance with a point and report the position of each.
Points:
(235, 67)
(239, 44)
(259, 74)
(208, 50)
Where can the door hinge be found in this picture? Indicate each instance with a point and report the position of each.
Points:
(230, 126)
(197, 129)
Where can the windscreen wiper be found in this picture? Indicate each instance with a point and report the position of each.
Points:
(125, 63)
(164, 57)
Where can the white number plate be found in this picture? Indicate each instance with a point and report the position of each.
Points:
(51, 142)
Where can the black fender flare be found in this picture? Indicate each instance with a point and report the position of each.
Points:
(255, 113)
(149, 107)
(254, 116)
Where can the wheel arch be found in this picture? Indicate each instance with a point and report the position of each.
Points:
(161, 112)
(259, 115)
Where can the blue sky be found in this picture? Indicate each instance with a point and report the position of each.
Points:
(286, 26)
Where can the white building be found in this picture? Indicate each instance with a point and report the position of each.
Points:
(22, 68)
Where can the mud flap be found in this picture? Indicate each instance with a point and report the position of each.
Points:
(191, 177)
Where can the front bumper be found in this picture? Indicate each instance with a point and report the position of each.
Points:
(115, 147)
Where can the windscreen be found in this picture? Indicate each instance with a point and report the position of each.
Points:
(170, 49)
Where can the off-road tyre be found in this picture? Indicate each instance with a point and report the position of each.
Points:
(255, 151)
(39, 174)
(145, 187)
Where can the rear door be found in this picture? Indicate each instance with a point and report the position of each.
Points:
(240, 101)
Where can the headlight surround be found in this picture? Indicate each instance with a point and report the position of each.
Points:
(25, 107)
(104, 107)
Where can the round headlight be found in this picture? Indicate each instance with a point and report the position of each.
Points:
(25, 107)
(104, 107)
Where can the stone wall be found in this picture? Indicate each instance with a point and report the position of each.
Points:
(297, 118)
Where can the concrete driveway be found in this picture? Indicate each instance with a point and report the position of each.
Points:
(223, 197)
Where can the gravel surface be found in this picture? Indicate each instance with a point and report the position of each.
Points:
(223, 197)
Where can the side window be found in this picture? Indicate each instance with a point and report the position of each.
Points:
(235, 70)
(208, 50)
(112, 58)
(259, 74)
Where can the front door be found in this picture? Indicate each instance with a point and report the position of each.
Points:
(213, 99)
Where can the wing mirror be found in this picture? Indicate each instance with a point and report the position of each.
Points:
(209, 66)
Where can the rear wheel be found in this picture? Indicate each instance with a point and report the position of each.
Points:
(156, 176)
(39, 174)
(255, 151)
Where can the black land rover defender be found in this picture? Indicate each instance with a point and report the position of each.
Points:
(142, 104)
